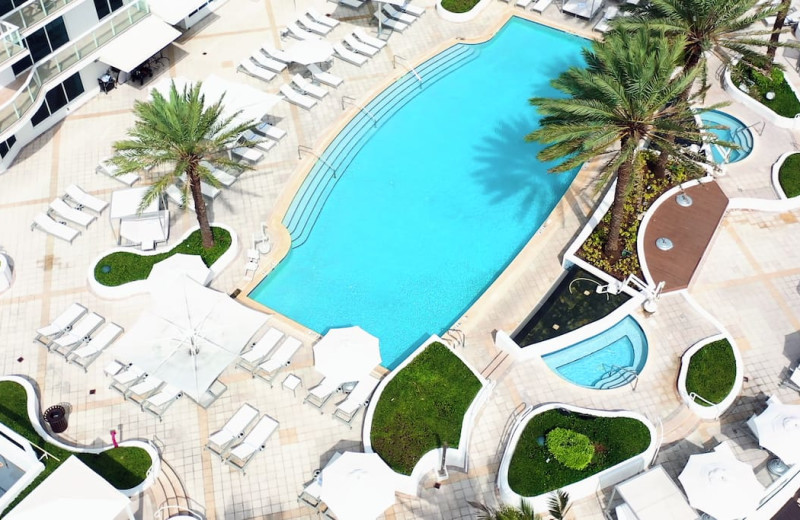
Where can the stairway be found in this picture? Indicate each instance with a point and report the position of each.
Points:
(169, 496)
(678, 424)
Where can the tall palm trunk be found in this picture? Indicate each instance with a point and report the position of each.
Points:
(200, 207)
(618, 207)
(780, 18)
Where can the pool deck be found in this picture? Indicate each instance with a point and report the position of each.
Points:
(748, 285)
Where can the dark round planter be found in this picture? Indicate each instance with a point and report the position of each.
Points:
(56, 417)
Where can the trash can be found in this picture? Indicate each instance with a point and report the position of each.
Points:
(56, 417)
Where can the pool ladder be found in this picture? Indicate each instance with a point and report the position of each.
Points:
(616, 369)
(308, 149)
(352, 101)
(409, 67)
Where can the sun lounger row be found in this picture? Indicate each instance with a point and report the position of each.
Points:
(604, 24)
(357, 47)
(353, 4)
(69, 208)
(107, 168)
(267, 358)
(262, 64)
(357, 399)
(302, 92)
(182, 196)
(153, 395)
(237, 447)
(396, 19)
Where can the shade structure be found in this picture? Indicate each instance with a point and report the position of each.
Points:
(73, 490)
(347, 354)
(189, 335)
(307, 52)
(778, 430)
(134, 46)
(719, 484)
(652, 495)
(138, 224)
(176, 265)
(358, 486)
(173, 11)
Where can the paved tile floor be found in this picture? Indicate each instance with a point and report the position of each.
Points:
(749, 283)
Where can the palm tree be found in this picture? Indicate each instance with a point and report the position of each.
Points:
(777, 29)
(180, 132)
(557, 507)
(628, 93)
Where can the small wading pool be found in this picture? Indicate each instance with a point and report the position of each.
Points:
(736, 132)
(608, 360)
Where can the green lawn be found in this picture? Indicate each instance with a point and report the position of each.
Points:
(124, 467)
(785, 102)
(459, 6)
(712, 372)
(129, 267)
(423, 407)
(534, 470)
(789, 176)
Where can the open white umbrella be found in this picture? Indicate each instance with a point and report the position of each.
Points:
(778, 430)
(347, 354)
(721, 485)
(307, 52)
(358, 486)
(176, 265)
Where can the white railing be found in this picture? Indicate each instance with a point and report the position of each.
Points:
(406, 65)
(694, 396)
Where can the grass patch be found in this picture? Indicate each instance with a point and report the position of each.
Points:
(123, 468)
(459, 6)
(712, 372)
(615, 439)
(129, 267)
(423, 407)
(789, 176)
(758, 84)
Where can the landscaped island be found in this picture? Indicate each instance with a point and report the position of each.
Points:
(712, 372)
(422, 408)
(784, 101)
(459, 6)
(789, 176)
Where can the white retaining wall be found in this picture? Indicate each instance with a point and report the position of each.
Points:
(461, 17)
(710, 413)
(769, 116)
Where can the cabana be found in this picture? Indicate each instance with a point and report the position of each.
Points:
(652, 495)
(582, 8)
(134, 227)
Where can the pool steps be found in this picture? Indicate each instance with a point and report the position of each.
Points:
(318, 184)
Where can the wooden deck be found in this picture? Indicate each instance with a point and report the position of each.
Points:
(690, 230)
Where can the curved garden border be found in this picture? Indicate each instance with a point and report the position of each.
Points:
(35, 412)
(583, 488)
(140, 286)
(431, 461)
(461, 17)
(776, 170)
(763, 111)
(710, 412)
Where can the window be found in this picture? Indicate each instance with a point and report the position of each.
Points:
(47, 39)
(106, 7)
(21, 66)
(40, 115)
(73, 86)
(5, 146)
(57, 33)
(6, 6)
(57, 97)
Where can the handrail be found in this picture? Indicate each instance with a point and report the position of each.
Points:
(360, 108)
(19, 17)
(724, 152)
(457, 336)
(178, 509)
(409, 67)
(754, 125)
(694, 395)
(45, 454)
(627, 370)
(308, 149)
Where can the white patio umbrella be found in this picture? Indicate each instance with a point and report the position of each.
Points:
(347, 354)
(179, 264)
(358, 486)
(307, 52)
(721, 485)
(778, 430)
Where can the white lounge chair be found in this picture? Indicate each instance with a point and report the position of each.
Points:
(219, 441)
(524, 3)
(270, 130)
(297, 98)
(176, 195)
(51, 227)
(257, 141)
(268, 63)
(85, 355)
(67, 212)
(143, 388)
(410, 8)
(261, 349)
(541, 5)
(347, 410)
(309, 88)
(319, 395)
(604, 24)
(107, 168)
(85, 200)
(269, 369)
(245, 153)
(80, 332)
(157, 403)
(61, 324)
(359, 47)
(256, 71)
(345, 54)
(125, 377)
(300, 33)
(224, 178)
(212, 192)
(324, 20)
(313, 26)
(244, 452)
(353, 4)
(362, 35)
(385, 21)
(398, 15)
(276, 54)
(326, 78)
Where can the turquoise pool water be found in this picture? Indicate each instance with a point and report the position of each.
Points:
(418, 205)
(607, 360)
(735, 132)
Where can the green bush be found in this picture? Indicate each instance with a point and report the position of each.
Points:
(422, 408)
(129, 267)
(459, 6)
(712, 372)
(785, 102)
(533, 471)
(789, 176)
(572, 449)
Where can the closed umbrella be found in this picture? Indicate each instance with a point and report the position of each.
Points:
(307, 52)
(176, 265)
(347, 354)
(358, 486)
(778, 430)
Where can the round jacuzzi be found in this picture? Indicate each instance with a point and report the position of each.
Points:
(731, 130)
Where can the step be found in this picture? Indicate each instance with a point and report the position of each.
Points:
(678, 424)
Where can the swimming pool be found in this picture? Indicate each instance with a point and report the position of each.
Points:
(608, 360)
(736, 132)
(426, 196)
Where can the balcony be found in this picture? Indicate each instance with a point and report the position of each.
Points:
(36, 11)
(10, 42)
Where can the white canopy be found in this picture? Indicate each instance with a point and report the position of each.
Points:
(125, 203)
(189, 336)
(358, 486)
(73, 490)
(583, 8)
(131, 48)
(652, 495)
(151, 225)
(347, 354)
(176, 265)
(719, 484)
(778, 430)
(173, 11)
(306, 52)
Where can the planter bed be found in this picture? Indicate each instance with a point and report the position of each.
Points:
(789, 176)
(712, 372)
(785, 102)
(459, 6)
